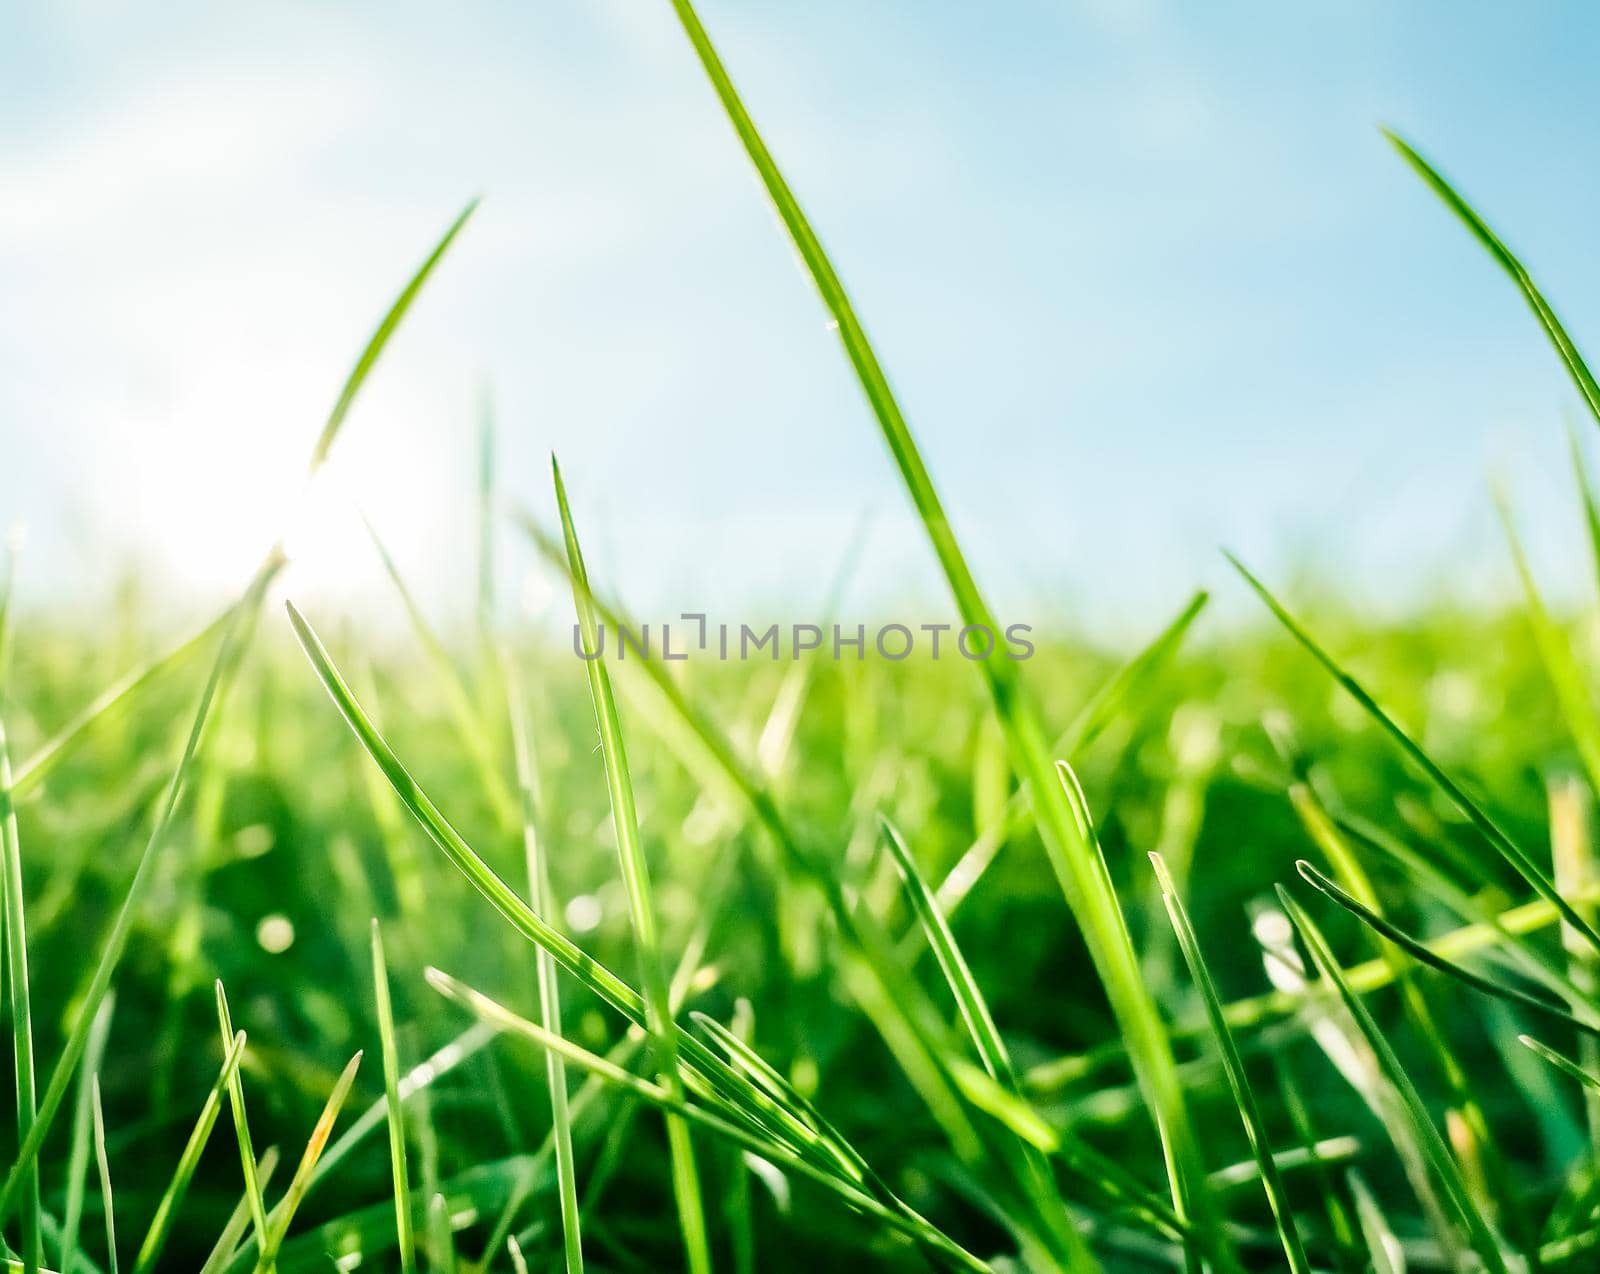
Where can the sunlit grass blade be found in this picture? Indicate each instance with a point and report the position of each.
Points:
(1561, 1062)
(1474, 813)
(116, 941)
(1441, 1162)
(300, 1183)
(82, 1133)
(1421, 952)
(406, 1244)
(380, 339)
(441, 1239)
(665, 1100)
(241, 1124)
(1576, 367)
(1244, 1096)
(540, 900)
(238, 1223)
(107, 1198)
(1083, 880)
(641, 905)
(1383, 1248)
(167, 1209)
(19, 999)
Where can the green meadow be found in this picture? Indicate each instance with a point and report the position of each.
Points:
(328, 946)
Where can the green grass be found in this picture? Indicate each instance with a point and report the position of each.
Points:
(903, 992)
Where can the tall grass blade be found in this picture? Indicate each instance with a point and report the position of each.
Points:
(172, 1199)
(107, 1198)
(300, 1183)
(1560, 1061)
(1083, 880)
(1244, 1096)
(641, 905)
(659, 1096)
(1576, 367)
(406, 1239)
(239, 1219)
(1394, 1072)
(19, 1000)
(380, 339)
(82, 1132)
(540, 900)
(1513, 853)
(241, 1124)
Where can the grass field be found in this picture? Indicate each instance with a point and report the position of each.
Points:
(328, 948)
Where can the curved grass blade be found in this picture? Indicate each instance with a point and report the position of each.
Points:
(1420, 951)
(641, 905)
(104, 1164)
(300, 1183)
(1576, 367)
(167, 1210)
(539, 898)
(1560, 1061)
(380, 339)
(1591, 506)
(1087, 888)
(82, 1117)
(656, 1095)
(1244, 1096)
(1474, 813)
(19, 999)
(505, 900)
(406, 1239)
(1427, 1135)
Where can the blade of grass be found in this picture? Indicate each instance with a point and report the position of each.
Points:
(396, 1116)
(540, 900)
(659, 1096)
(1244, 1096)
(106, 1197)
(1560, 1061)
(593, 975)
(82, 1117)
(1421, 952)
(172, 1199)
(1514, 854)
(241, 1124)
(380, 340)
(300, 1183)
(19, 999)
(1427, 1135)
(1083, 880)
(641, 906)
(1568, 352)
(239, 1220)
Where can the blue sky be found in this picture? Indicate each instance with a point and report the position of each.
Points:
(1145, 276)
